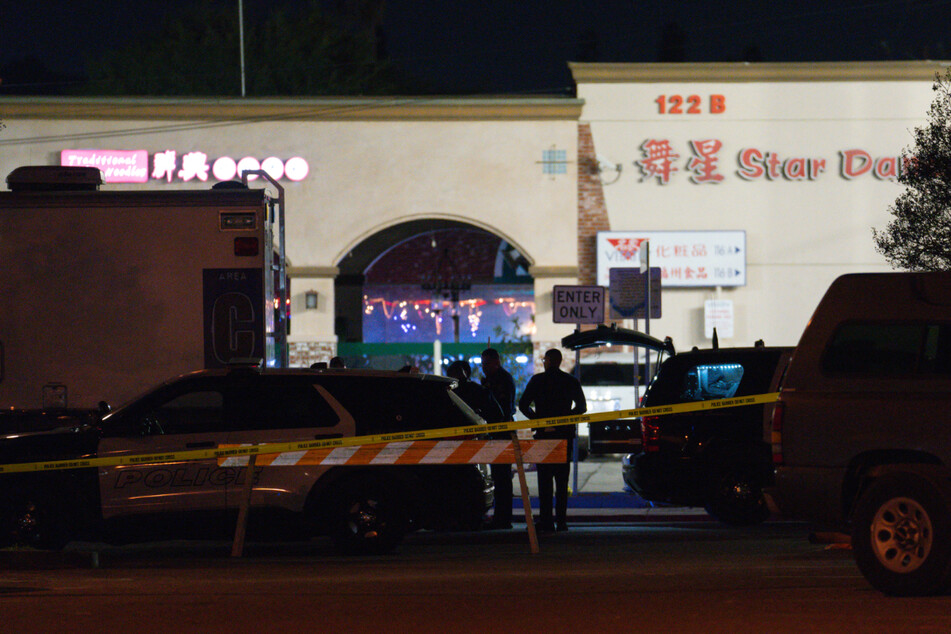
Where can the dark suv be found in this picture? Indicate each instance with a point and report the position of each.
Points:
(716, 459)
(365, 509)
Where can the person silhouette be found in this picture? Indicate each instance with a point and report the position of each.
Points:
(476, 396)
(502, 386)
(553, 393)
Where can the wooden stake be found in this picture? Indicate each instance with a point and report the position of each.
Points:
(237, 548)
(526, 499)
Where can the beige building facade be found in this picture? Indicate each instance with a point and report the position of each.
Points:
(506, 166)
(798, 160)
(801, 158)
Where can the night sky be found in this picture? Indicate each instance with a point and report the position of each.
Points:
(522, 46)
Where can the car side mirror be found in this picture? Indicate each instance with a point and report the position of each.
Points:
(149, 425)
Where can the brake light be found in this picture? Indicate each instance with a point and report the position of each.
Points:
(776, 437)
(650, 434)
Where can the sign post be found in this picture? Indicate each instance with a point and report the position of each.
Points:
(645, 253)
(636, 292)
(577, 305)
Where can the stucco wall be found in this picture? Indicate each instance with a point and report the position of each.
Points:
(800, 234)
(373, 164)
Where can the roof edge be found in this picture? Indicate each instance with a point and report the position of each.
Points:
(587, 73)
(317, 109)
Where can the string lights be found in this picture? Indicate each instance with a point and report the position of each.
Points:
(413, 316)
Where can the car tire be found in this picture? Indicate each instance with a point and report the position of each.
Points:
(368, 518)
(33, 518)
(736, 498)
(901, 536)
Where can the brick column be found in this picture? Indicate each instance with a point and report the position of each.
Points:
(592, 211)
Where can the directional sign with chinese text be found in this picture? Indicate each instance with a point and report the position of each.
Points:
(685, 258)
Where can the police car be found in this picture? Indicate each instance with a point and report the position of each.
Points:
(365, 509)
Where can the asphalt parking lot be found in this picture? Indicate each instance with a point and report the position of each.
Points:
(696, 576)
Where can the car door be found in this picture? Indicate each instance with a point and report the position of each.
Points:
(183, 416)
(285, 408)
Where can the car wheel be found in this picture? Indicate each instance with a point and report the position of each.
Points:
(901, 536)
(33, 519)
(736, 498)
(368, 519)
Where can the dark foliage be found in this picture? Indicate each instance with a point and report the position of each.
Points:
(918, 238)
(293, 51)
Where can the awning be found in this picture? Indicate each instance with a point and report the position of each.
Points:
(605, 335)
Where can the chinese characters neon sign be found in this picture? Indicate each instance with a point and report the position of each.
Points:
(132, 166)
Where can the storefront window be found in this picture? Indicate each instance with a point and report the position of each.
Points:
(395, 313)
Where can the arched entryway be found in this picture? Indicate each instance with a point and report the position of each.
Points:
(432, 279)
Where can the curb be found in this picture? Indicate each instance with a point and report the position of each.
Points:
(619, 507)
(30, 559)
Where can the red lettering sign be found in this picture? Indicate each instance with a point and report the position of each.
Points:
(704, 162)
(658, 160)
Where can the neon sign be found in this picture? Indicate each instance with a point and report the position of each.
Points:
(132, 166)
(117, 166)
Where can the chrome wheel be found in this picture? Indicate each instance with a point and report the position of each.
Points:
(30, 519)
(369, 518)
(364, 519)
(737, 499)
(901, 534)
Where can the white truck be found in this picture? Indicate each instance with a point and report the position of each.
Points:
(107, 293)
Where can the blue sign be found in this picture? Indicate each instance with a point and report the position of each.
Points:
(628, 293)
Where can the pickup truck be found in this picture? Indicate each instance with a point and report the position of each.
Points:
(859, 436)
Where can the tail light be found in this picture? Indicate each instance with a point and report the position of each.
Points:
(650, 434)
(776, 437)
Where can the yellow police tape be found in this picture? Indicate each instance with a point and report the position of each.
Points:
(352, 441)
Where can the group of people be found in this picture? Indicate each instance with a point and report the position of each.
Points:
(336, 363)
(550, 393)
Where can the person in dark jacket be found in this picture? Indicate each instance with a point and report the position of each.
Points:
(500, 382)
(553, 393)
(476, 396)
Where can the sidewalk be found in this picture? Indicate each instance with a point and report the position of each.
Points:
(601, 496)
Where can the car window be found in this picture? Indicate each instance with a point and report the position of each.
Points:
(280, 402)
(707, 382)
(191, 413)
(472, 417)
(889, 349)
(387, 405)
(607, 374)
(188, 407)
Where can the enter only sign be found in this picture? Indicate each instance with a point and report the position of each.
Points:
(578, 304)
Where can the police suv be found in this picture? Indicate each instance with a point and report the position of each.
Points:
(365, 509)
